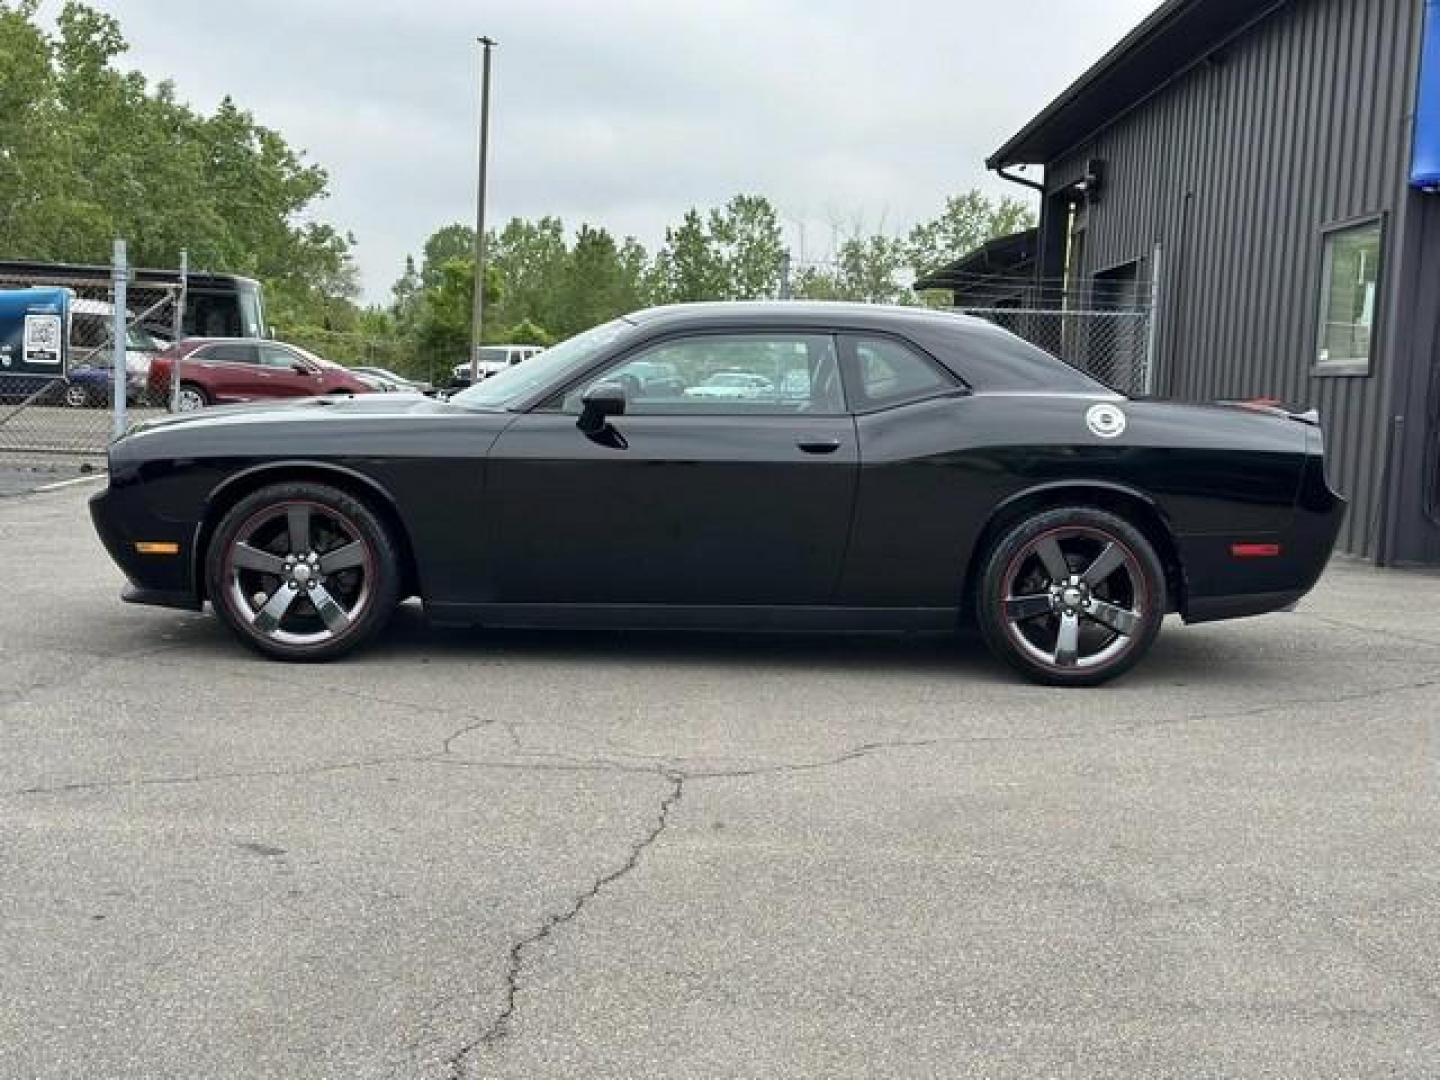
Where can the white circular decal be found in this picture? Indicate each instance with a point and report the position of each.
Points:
(1107, 421)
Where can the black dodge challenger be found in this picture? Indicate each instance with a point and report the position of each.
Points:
(772, 466)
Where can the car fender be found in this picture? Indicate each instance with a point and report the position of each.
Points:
(256, 476)
(1049, 490)
(1052, 487)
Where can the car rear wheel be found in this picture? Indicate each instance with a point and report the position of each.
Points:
(77, 396)
(1071, 597)
(303, 571)
(191, 398)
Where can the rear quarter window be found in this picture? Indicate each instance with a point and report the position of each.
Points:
(883, 372)
(993, 359)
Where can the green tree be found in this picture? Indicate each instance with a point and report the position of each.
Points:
(526, 332)
(531, 258)
(405, 297)
(865, 269)
(91, 152)
(591, 289)
(750, 246)
(968, 220)
(445, 245)
(689, 267)
(443, 328)
(634, 275)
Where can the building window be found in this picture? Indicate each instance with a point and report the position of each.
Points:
(1349, 282)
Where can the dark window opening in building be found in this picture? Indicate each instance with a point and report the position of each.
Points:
(1349, 281)
(1118, 338)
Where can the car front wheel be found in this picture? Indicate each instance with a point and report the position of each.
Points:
(1071, 597)
(303, 571)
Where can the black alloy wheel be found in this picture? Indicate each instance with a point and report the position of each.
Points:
(1072, 597)
(303, 571)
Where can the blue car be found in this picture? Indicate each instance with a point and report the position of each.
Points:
(89, 388)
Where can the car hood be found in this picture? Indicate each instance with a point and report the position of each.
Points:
(303, 410)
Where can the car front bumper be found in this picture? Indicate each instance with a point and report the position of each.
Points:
(123, 522)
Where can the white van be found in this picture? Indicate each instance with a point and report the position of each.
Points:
(495, 359)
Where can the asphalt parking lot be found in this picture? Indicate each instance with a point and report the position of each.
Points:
(623, 855)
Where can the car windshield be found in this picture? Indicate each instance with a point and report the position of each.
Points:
(318, 361)
(551, 366)
(138, 339)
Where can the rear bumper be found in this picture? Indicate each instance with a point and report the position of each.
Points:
(122, 520)
(1221, 585)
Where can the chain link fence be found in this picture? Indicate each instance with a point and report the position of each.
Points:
(71, 415)
(1111, 346)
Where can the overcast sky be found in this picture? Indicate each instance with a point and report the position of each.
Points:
(624, 113)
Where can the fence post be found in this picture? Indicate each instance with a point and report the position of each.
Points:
(120, 321)
(1152, 336)
(179, 325)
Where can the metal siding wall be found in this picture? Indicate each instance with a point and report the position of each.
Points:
(1299, 123)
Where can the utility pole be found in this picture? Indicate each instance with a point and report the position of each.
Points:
(478, 321)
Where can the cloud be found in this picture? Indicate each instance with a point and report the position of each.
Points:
(627, 112)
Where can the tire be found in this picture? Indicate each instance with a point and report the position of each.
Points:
(1072, 596)
(318, 598)
(76, 396)
(192, 397)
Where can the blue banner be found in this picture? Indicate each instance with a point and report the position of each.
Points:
(34, 332)
(1425, 166)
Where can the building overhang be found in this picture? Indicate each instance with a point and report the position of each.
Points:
(998, 259)
(1174, 38)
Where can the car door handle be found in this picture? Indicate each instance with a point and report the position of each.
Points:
(819, 446)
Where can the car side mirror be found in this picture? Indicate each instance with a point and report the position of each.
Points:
(300, 368)
(601, 401)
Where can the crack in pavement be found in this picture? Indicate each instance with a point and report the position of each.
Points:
(1372, 631)
(208, 778)
(560, 762)
(499, 1024)
(1343, 698)
(83, 665)
(677, 776)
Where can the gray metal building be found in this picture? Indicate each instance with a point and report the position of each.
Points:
(1259, 166)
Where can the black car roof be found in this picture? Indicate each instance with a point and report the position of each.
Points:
(830, 313)
(982, 354)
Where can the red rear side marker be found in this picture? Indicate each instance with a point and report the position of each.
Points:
(1255, 551)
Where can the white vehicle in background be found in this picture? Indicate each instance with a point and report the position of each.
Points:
(733, 386)
(495, 359)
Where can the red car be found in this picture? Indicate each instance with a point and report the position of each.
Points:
(220, 371)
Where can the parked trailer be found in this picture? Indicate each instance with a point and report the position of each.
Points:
(34, 342)
(216, 305)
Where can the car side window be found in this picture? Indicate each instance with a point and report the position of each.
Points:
(725, 374)
(885, 372)
(272, 356)
(227, 353)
